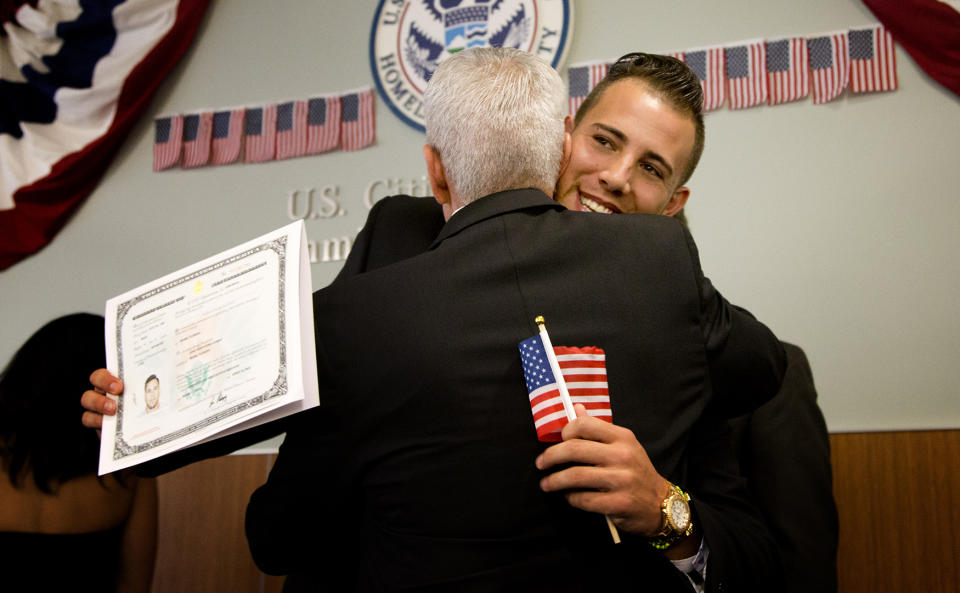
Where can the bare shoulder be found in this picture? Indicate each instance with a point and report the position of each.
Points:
(80, 505)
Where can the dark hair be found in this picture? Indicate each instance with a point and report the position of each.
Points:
(40, 429)
(669, 78)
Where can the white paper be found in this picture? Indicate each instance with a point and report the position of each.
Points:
(219, 346)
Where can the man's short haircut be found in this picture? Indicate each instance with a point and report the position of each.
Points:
(495, 117)
(668, 78)
(152, 378)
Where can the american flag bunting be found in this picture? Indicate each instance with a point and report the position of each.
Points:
(323, 124)
(197, 130)
(584, 372)
(746, 69)
(260, 134)
(581, 80)
(291, 129)
(707, 64)
(227, 136)
(829, 65)
(358, 127)
(788, 70)
(167, 141)
(873, 63)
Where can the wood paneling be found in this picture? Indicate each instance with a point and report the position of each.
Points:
(898, 495)
(201, 545)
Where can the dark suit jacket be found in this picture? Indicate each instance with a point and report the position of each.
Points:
(427, 422)
(784, 453)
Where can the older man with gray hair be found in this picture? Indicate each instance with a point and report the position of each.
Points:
(425, 419)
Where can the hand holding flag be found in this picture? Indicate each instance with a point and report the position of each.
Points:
(550, 400)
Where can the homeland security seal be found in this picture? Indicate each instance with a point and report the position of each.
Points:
(411, 37)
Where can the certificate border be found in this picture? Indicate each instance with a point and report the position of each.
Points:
(123, 449)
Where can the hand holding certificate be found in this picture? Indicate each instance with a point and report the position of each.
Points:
(219, 346)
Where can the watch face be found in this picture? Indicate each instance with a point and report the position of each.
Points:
(679, 513)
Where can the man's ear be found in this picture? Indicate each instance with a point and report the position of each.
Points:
(437, 175)
(677, 201)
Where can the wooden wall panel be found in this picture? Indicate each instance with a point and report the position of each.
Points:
(898, 496)
(201, 544)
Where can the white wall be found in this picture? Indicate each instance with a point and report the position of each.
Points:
(836, 224)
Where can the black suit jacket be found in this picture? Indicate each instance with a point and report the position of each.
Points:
(784, 453)
(426, 419)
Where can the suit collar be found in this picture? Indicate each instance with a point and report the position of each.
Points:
(494, 205)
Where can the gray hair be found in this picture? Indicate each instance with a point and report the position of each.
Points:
(495, 117)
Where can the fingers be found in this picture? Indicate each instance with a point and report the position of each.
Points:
(593, 429)
(104, 382)
(99, 403)
(92, 420)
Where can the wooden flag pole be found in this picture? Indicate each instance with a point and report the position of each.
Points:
(565, 398)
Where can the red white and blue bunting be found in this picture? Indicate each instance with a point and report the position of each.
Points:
(84, 73)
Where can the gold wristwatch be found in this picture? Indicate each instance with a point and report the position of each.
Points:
(675, 519)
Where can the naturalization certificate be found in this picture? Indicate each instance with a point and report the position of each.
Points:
(219, 346)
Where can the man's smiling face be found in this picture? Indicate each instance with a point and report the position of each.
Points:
(628, 154)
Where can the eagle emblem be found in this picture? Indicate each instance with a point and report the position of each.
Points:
(410, 39)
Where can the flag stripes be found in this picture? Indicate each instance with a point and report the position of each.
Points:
(873, 64)
(585, 375)
(829, 66)
(788, 70)
(167, 141)
(358, 127)
(746, 69)
(227, 136)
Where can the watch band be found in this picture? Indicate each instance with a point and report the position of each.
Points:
(667, 536)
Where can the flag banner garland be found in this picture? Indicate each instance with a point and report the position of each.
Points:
(266, 133)
(746, 69)
(227, 136)
(70, 98)
(167, 141)
(584, 371)
(873, 64)
(788, 70)
(291, 129)
(197, 132)
(581, 80)
(358, 126)
(707, 64)
(829, 68)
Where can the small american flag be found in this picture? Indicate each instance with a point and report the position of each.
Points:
(197, 129)
(788, 70)
(227, 136)
(291, 129)
(581, 80)
(323, 124)
(358, 127)
(873, 63)
(585, 374)
(260, 134)
(829, 66)
(167, 141)
(746, 73)
(707, 64)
